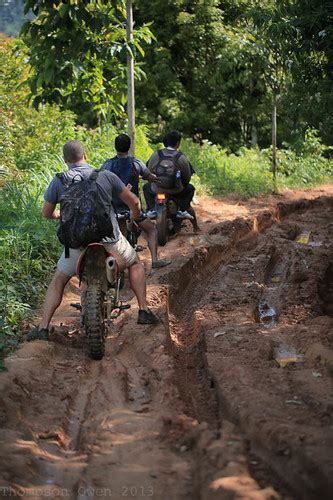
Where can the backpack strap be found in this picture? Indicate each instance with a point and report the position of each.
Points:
(161, 155)
(93, 176)
(108, 164)
(134, 169)
(177, 156)
(66, 183)
(61, 177)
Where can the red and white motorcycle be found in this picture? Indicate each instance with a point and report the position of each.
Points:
(100, 278)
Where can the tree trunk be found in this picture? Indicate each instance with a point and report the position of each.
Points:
(254, 137)
(274, 137)
(130, 77)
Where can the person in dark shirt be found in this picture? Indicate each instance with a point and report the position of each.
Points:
(110, 186)
(129, 169)
(184, 192)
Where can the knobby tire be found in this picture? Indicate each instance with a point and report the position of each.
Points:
(162, 226)
(94, 321)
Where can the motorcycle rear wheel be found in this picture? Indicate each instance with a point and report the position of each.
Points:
(162, 226)
(94, 321)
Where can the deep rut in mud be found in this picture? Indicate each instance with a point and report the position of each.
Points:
(228, 398)
(270, 293)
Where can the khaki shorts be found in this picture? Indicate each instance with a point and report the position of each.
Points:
(122, 251)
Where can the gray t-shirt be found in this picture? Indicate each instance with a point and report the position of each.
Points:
(109, 185)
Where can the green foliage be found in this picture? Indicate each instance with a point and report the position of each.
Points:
(79, 51)
(216, 64)
(27, 136)
(28, 249)
(247, 174)
(211, 73)
(305, 164)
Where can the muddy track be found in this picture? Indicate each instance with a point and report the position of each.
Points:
(201, 406)
(296, 274)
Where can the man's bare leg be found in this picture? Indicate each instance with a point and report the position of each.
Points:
(137, 280)
(52, 301)
(150, 234)
(138, 284)
(53, 297)
(194, 221)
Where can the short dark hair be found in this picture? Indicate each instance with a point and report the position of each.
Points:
(122, 143)
(172, 138)
(73, 151)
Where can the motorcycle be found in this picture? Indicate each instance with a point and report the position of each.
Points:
(102, 281)
(100, 276)
(168, 221)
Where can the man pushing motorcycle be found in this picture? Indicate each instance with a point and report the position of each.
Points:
(108, 186)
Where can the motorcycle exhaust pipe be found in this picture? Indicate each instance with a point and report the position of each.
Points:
(111, 269)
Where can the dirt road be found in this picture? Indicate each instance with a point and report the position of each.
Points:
(229, 397)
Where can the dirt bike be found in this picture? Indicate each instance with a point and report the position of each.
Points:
(129, 228)
(102, 280)
(168, 222)
(99, 273)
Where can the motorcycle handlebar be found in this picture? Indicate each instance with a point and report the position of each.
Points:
(127, 216)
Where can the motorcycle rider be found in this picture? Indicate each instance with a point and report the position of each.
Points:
(129, 169)
(183, 194)
(110, 185)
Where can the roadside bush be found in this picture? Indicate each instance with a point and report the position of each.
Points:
(305, 164)
(26, 135)
(28, 252)
(247, 174)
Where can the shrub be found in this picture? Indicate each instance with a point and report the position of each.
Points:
(305, 164)
(247, 174)
(28, 251)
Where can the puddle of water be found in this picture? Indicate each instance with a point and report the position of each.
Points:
(303, 238)
(285, 355)
(208, 239)
(266, 314)
(198, 240)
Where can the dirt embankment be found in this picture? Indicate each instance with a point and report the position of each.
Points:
(229, 397)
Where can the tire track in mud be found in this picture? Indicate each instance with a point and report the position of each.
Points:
(267, 300)
(148, 416)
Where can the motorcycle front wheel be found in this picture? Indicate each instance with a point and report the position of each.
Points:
(94, 316)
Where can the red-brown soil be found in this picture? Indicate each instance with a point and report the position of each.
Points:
(229, 397)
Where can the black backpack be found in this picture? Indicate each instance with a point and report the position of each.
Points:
(166, 170)
(84, 217)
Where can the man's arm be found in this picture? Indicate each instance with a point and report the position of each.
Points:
(144, 171)
(49, 211)
(185, 169)
(131, 201)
